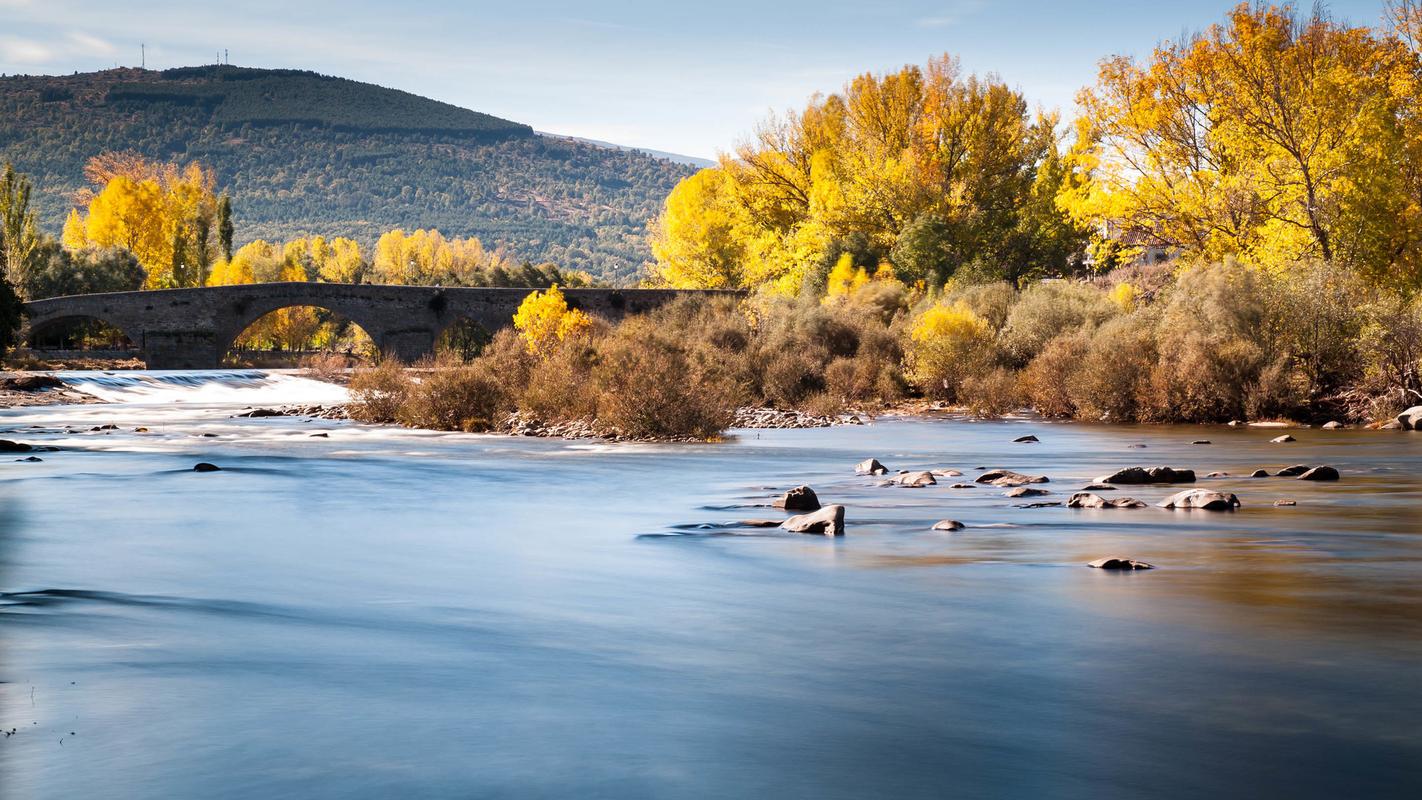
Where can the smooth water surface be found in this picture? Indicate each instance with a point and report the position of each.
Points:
(391, 613)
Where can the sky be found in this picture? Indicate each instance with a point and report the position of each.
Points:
(689, 78)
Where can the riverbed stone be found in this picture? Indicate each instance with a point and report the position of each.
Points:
(1205, 499)
(870, 466)
(1259, 473)
(828, 521)
(1098, 487)
(1028, 439)
(948, 525)
(1006, 477)
(1285, 502)
(1333, 425)
(1119, 563)
(1089, 500)
(1282, 439)
(1137, 475)
(7, 446)
(917, 480)
(1323, 473)
(1411, 419)
(203, 466)
(801, 498)
(1025, 491)
(1294, 471)
(963, 486)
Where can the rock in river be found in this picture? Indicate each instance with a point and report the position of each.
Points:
(1089, 500)
(1119, 563)
(1025, 491)
(1151, 475)
(1411, 419)
(801, 498)
(1333, 425)
(948, 525)
(1203, 499)
(1028, 439)
(1324, 473)
(1282, 439)
(1259, 473)
(916, 480)
(828, 520)
(7, 446)
(870, 466)
(1294, 471)
(1006, 477)
(203, 466)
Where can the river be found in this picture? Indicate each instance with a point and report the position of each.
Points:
(380, 612)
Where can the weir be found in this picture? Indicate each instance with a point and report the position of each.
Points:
(194, 328)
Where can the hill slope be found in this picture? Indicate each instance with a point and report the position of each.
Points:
(306, 153)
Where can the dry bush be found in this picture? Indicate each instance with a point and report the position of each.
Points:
(455, 397)
(991, 394)
(559, 385)
(991, 301)
(1114, 371)
(326, 366)
(1047, 310)
(1046, 382)
(378, 392)
(647, 387)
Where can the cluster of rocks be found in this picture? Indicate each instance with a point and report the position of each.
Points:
(520, 424)
(765, 418)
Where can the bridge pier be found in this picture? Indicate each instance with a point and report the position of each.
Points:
(180, 349)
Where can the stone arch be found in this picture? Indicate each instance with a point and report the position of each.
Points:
(464, 334)
(245, 314)
(38, 327)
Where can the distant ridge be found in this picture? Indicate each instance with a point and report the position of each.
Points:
(690, 161)
(305, 153)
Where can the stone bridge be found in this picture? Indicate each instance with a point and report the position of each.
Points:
(194, 328)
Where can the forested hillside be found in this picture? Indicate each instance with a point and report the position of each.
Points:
(302, 153)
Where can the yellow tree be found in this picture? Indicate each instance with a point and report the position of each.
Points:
(699, 238)
(543, 319)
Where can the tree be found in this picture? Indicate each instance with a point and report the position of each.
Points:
(58, 272)
(12, 313)
(543, 319)
(19, 234)
(1270, 137)
(698, 238)
(224, 226)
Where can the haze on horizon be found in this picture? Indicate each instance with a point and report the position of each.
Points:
(654, 75)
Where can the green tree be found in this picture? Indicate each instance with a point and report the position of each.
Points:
(224, 226)
(57, 272)
(19, 234)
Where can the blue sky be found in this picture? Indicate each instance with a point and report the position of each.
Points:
(688, 78)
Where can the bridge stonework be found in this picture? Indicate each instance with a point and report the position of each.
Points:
(194, 328)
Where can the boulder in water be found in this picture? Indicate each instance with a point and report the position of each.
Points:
(1089, 500)
(801, 498)
(30, 460)
(760, 523)
(1333, 425)
(1285, 502)
(1282, 439)
(963, 486)
(1202, 441)
(1294, 471)
(264, 412)
(1218, 475)
(948, 525)
(870, 466)
(1098, 487)
(1324, 473)
(1201, 499)
(1025, 491)
(916, 480)
(828, 520)
(1137, 475)
(1411, 419)
(1006, 477)
(1119, 563)
(203, 466)
(7, 446)
(1028, 439)
(1259, 473)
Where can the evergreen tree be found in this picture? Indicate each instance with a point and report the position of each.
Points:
(224, 226)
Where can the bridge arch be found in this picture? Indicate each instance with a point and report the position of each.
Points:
(41, 332)
(247, 314)
(274, 338)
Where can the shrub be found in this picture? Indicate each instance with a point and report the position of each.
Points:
(1046, 382)
(326, 366)
(648, 387)
(455, 397)
(991, 394)
(1114, 371)
(378, 392)
(1045, 311)
(991, 301)
(948, 344)
(559, 383)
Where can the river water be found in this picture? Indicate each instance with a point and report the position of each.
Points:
(390, 613)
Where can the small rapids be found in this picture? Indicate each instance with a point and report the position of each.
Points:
(205, 387)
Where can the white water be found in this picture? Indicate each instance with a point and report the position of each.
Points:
(206, 387)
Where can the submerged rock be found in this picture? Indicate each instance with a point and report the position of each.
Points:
(1201, 499)
(1218, 475)
(1202, 441)
(1098, 487)
(946, 473)
(29, 460)
(1119, 563)
(1136, 475)
(963, 486)
(1294, 471)
(30, 383)
(7, 446)
(1333, 425)
(801, 498)
(263, 412)
(828, 520)
(1006, 477)
(1259, 473)
(203, 466)
(870, 466)
(1025, 439)
(1089, 500)
(948, 525)
(1025, 491)
(1324, 473)
(759, 523)
(916, 480)
(1282, 439)
(1285, 502)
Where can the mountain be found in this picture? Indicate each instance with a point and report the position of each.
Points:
(303, 153)
(690, 161)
